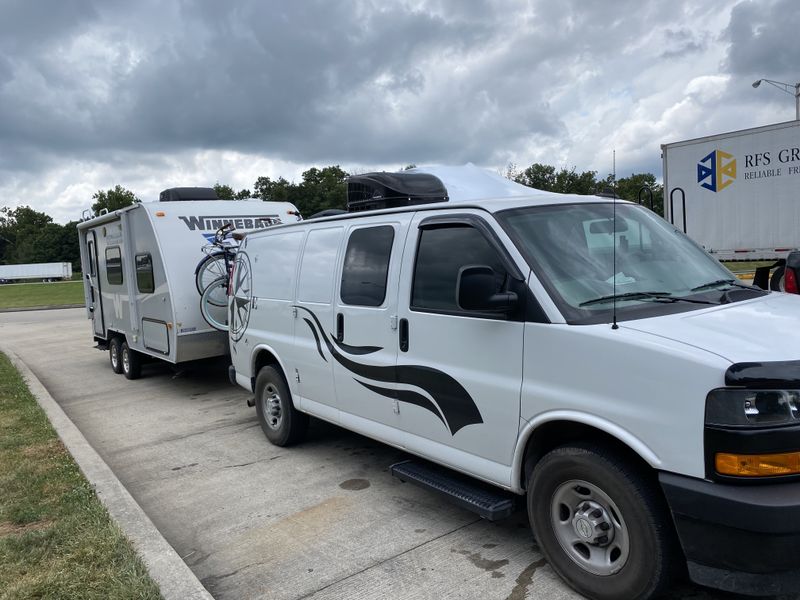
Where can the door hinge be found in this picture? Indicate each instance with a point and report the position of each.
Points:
(294, 312)
(393, 322)
(396, 407)
(297, 376)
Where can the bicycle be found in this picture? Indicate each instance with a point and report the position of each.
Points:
(221, 253)
(213, 273)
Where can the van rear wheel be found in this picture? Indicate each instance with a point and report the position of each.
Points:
(280, 421)
(115, 355)
(601, 525)
(131, 362)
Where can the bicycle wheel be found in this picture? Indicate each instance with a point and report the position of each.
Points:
(215, 314)
(210, 268)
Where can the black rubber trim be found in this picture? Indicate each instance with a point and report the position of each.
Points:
(769, 509)
(764, 375)
(754, 584)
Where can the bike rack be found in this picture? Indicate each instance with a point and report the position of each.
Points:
(671, 207)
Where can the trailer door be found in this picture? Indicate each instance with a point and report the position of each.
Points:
(95, 301)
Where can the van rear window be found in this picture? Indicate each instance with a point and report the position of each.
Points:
(366, 266)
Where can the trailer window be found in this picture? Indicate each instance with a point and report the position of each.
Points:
(366, 266)
(114, 265)
(144, 274)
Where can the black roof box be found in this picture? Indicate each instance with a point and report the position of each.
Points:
(372, 191)
(187, 193)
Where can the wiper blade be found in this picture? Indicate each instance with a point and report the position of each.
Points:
(731, 282)
(656, 296)
(628, 296)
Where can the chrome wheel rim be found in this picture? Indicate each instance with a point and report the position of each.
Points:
(114, 357)
(589, 527)
(126, 364)
(271, 406)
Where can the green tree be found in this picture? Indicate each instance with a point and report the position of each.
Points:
(320, 189)
(113, 199)
(629, 187)
(564, 181)
(30, 236)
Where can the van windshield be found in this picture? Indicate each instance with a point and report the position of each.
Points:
(570, 247)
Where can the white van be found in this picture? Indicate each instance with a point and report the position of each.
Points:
(644, 402)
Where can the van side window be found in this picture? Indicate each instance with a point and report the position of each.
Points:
(114, 265)
(144, 274)
(366, 266)
(441, 253)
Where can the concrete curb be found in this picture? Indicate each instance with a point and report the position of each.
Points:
(174, 578)
(49, 307)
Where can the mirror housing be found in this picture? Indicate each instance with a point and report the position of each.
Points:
(475, 291)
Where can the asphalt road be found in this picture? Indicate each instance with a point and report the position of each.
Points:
(321, 520)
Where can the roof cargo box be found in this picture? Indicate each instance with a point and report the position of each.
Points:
(372, 191)
(187, 193)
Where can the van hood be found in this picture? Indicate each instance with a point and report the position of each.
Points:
(766, 328)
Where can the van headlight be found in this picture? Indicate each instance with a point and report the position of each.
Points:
(731, 407)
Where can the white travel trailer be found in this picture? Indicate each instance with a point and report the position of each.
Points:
(579, 353)
(139, 273)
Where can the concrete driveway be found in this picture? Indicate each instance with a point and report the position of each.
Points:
(320, 520)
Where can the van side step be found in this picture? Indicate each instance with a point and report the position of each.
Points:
(491, 504)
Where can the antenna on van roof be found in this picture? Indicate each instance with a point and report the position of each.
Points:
(614, 238)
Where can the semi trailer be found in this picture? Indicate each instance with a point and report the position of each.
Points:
(738, 193)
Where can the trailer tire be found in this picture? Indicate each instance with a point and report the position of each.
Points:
(602, 526)
(280, 421)
(131, 362)
(115, 355)
(776, 282)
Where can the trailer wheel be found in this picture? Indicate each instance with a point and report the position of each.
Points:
(281, 422)
(131, 362)
(776, 282)
(602, 527)
(114, 355)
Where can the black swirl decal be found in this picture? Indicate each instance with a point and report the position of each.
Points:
(455, 406)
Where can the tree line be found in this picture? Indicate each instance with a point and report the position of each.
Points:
(30, 236)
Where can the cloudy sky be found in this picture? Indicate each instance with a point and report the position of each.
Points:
(156, 93)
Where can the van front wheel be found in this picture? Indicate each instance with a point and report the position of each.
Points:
(280, 421)
(601, 525)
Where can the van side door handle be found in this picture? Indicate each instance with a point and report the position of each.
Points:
(403, 335)
(340, 327)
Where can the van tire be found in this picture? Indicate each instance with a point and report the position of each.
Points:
(115, 355)
(280, 421)
(131, 362)
(570, 484)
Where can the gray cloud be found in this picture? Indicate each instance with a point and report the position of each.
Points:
(150, 91)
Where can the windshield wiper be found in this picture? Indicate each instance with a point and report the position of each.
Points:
(628, 296)
(657, 296)
(731, 282)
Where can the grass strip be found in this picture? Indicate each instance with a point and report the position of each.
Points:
(24, 295)
(56, 538)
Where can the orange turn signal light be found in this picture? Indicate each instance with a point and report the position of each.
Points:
(757, 465)
(160, 213)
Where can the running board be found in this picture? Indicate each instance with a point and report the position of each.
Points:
(490, 503)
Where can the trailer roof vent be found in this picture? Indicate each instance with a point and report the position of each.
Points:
(372, 191)
(187, 193)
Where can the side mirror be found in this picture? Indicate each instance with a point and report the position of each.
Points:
(476, 291)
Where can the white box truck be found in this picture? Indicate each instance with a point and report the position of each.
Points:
(139, 265)
(36, 271)
(737, 193)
